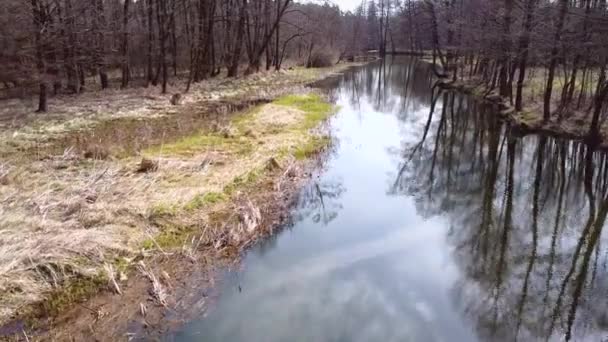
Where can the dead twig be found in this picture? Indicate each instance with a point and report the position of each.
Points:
(112, 278)
(27, 339)
(158, 291)
(156, 243)
(288, 171)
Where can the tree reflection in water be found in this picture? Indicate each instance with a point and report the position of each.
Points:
(320, 201)
(526, 214)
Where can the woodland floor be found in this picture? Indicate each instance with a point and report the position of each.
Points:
(114, 201)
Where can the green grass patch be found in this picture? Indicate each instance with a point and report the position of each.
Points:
(121, 264)
(164, 210)
(311, 147)
(170, 237)
(243, 120)
(199, 201)
(315, 107)
(200, 142)
(173, 236)
(243, 181)
(202, 200)
(74, 291)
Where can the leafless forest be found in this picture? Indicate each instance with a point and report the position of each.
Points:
(555, 49)
(71, 46)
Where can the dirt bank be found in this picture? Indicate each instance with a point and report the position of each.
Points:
(110, 240)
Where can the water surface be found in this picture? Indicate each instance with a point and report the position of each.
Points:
(431, 221)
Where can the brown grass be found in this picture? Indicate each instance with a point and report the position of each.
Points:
(66, 217)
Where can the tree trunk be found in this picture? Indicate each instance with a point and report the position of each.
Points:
(277, 57)
(150, 42)
(69, 38)
(238, 45)
(563, 7)
(173, 38)
(436, 43)
(602, 92)
(506, 50)
(39, 17)
(269, 53)
(205, 31)
(125, 45)
(524, 44)
(209, 44)
(254, 61)
(99, 24)
(162, 38)
(580, 54)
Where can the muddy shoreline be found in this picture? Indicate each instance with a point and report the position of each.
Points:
(190, 280)
(104, 314)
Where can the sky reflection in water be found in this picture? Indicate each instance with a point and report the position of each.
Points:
(442, 229)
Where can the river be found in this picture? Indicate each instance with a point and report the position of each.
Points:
(430, 221)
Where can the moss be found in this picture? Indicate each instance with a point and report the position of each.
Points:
(242, 181)
(311, 147)
(74, 291)
(121, 264)
(202, 200)
(164, 210)
(171, 236)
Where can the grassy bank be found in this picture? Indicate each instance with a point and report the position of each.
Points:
(571, 122)
(86, 121)
(76, 223)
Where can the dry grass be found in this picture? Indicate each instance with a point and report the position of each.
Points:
(67, 218)
(572, 120)
(158, 290)
(69, 113)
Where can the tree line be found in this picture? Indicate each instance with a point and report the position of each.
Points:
(562, 43)
(69, 46)
(557, 49)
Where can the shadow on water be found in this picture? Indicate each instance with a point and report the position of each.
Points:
(431, 221)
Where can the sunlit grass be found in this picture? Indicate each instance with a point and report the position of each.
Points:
(171, 236)
(197, 143)
(315, 107)
(200, 201)
(311, 147)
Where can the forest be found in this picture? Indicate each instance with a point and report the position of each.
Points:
(73, 46)
(546, 57)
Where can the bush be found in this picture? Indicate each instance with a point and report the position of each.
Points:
(320, 60)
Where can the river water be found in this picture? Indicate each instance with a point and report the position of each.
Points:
(430, 221)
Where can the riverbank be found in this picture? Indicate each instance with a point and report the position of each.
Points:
(570, 124)
(98, 240)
